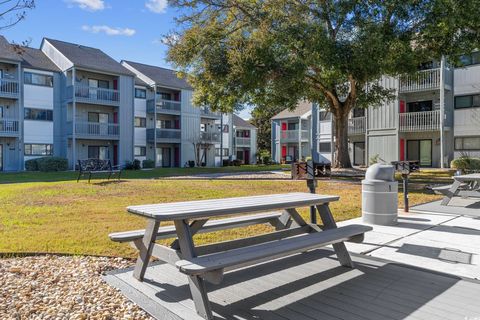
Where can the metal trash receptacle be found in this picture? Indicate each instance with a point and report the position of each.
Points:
(380, 195)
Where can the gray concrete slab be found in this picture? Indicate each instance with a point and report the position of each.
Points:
(310, 285)
(457, 206)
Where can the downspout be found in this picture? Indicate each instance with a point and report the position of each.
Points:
(442, 110)
(74, 120)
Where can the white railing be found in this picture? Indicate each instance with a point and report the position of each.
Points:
(96, 129)
(210, 136)
(8, 126)
(8, 87)
(243, 141)
(419, 121)
(168, 105)
(356, 125)
(205, 111)
(94, 95)
(421, 80)
(293, 135)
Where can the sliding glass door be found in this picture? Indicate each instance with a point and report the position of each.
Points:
(421, 151)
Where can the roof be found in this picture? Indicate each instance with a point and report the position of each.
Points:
(29, 57)
(302, 108)
(239, 122)
(89, 58)
(161, 76)
(140, 82)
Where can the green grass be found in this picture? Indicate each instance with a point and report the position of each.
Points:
(25, 176)
(76, 218)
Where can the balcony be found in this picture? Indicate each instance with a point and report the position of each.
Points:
(9, 88)
(293, 135)
(210, 137)
(8, 127)
(164, 106)
(242, 141)
(419, 121)
(357, 126)
(95, 130)
(207, 112)
(85, 94)
(164, 135)
(421, 81)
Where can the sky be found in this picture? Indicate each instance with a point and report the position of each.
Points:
(124, 29)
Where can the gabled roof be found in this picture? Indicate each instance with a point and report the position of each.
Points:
(303, 107)
(140, 82)
(88, 57)
(36, 59)
(161, 76)
(6, 50)
(239, 122)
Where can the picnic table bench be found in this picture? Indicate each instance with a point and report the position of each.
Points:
(467, 185)
(209, 262)
(96, 166)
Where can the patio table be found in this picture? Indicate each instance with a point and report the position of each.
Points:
(464, 185)
(209, 262)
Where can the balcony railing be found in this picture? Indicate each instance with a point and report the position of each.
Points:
(293, 135)
(356, 125)
(163, 133)
(212, 137)
(8, 126)
(242, 141)
(421, 81)
(209, 113)
(96, 129)
(9, 88)
(419, 121)
(94, 95)
(168, 105)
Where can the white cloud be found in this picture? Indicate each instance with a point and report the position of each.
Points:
(157, 6)
(109, 30)
(90, 5)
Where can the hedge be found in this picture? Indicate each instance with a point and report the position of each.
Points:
(148, 164)
(466, 163)
(47, 164)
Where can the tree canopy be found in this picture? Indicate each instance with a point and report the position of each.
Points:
(273, 53)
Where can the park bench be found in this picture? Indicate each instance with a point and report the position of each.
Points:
(97, 166)
(209, 262)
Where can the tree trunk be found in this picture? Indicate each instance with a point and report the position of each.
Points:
(341, 156)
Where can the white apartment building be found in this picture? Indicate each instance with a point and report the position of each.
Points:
(245, 140)
(77, 102)
(432, 120)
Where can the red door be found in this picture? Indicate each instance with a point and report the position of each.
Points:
(246, 157)
(176, 159)
(115, 84)
(284, 151)
(115, 154)
(115, 117)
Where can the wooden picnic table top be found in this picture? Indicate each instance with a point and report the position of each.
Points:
(227, 206)
(467, 177)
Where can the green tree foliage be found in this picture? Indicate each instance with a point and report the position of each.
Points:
(273, 53)
(261, 119)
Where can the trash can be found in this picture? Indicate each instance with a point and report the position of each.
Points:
(380, 195)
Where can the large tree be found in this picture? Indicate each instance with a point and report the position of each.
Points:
(14, 11)
(273, 53)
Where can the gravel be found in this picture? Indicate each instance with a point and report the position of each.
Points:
(62, 287)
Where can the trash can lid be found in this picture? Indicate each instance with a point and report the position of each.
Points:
(380, 172)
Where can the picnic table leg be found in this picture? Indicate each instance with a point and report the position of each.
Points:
(145, 249)
(197, 284)
(451, 192)
(340, 248)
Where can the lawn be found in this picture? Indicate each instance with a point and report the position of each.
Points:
(71, 217)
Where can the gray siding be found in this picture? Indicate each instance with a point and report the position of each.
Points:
(385, 115)
(126, 114)
(386, 146)
(59, 116)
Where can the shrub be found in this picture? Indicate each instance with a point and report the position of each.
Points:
(31, 165)
(465, 162)
(265, 157)
(237, 162)
(148, 164)
(375, 159)
(132, 165)
(48, 164)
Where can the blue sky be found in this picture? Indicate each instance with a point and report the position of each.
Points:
(124, 29)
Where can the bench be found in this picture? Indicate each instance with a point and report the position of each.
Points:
(97, 166)
(209, 262)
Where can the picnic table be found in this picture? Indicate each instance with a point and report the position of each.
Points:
(209, 262)
(467, 185)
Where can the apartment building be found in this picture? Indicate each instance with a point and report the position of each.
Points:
(432, 120)
(245, 140)
(77, 102)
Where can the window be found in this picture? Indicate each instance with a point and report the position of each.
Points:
(94, 83)
(1, 111)
(38, 149)
(293, 126)
(140, 93)
(325, 147)
(38, 79)
(358, 112)
(470, 59)
(164, 95)
(420, 106)
(225, 152)
(98, 152)
(467, 143)
(140, 151)
(140, 122)
(325, 116)
(38, 114)
(470, 101)
(98, 117)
